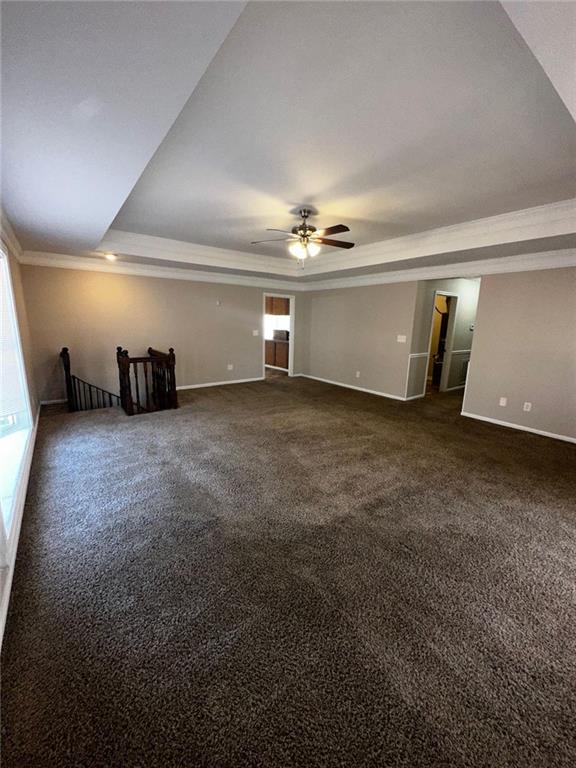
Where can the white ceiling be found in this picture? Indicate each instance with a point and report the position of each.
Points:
(392, 118)
(199, 124)
(89, 90)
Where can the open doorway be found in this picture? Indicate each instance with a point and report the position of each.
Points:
(278, 335)
(444, 306)
(441, 336)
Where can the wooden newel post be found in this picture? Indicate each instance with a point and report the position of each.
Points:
(124, 377)
(172, 394)
(65, 356)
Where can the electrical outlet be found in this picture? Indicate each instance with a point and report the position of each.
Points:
(401, 339)
(230, 366)
(357, 374)
(503, 402)
(527, 407)
(255, 332)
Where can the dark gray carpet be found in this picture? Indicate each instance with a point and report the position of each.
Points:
(290, 574)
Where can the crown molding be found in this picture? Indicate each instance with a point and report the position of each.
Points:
(164, 249)
(543, 221)
(9, 236)
(90, 264)
(521, 263)
(527, 224)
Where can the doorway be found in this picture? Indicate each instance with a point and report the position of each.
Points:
(278, 335)
(441, 332)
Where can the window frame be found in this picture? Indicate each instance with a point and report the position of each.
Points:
(7, 533)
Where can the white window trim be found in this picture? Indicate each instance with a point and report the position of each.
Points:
(9, 539)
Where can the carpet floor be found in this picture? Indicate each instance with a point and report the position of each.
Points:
(286, 574)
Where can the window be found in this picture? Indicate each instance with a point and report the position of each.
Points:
(275, 323)
(15, 414)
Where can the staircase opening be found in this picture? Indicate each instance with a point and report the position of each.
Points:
(146, 384)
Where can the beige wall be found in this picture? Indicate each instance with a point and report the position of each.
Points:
(209, 325)
(24, 328)
(336, 332)
(355, 329)
(525, 349)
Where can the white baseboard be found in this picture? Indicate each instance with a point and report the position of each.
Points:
(53, 402)
(14, 537)
(351, 386)
(276, 368)
(521, 427)
(219, 383)
(452, 389)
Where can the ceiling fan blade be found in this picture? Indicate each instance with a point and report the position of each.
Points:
(333, 243)
(285, 231)
(335, 230)
(273, 240)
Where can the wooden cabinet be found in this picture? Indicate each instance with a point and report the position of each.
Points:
(270, 350)
(276, 353)
(281, 306)
(275, 305)
(281, 354)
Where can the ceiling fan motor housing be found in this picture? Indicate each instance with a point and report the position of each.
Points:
(304, 230)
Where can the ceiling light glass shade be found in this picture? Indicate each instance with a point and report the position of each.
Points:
(299, 250)
(303, 250)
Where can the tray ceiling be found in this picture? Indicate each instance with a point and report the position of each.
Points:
(178, 132)
(392, 118)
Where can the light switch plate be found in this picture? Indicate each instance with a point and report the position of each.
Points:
(230, 366)
(503, 402)
(527, 407)
(401, 339)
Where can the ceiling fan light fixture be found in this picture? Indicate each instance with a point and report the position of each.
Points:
(299, 250)
(306, 240)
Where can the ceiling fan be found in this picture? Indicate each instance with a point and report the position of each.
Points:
(305, 240)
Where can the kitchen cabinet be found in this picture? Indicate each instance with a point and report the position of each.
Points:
(276, 305)
(276, 353)
(281, 354)
(270, 349)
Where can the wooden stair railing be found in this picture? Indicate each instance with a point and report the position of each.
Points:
(147, 384)
(80, 394)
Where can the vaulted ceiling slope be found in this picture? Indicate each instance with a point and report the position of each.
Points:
(89, 90)
(176, 132)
